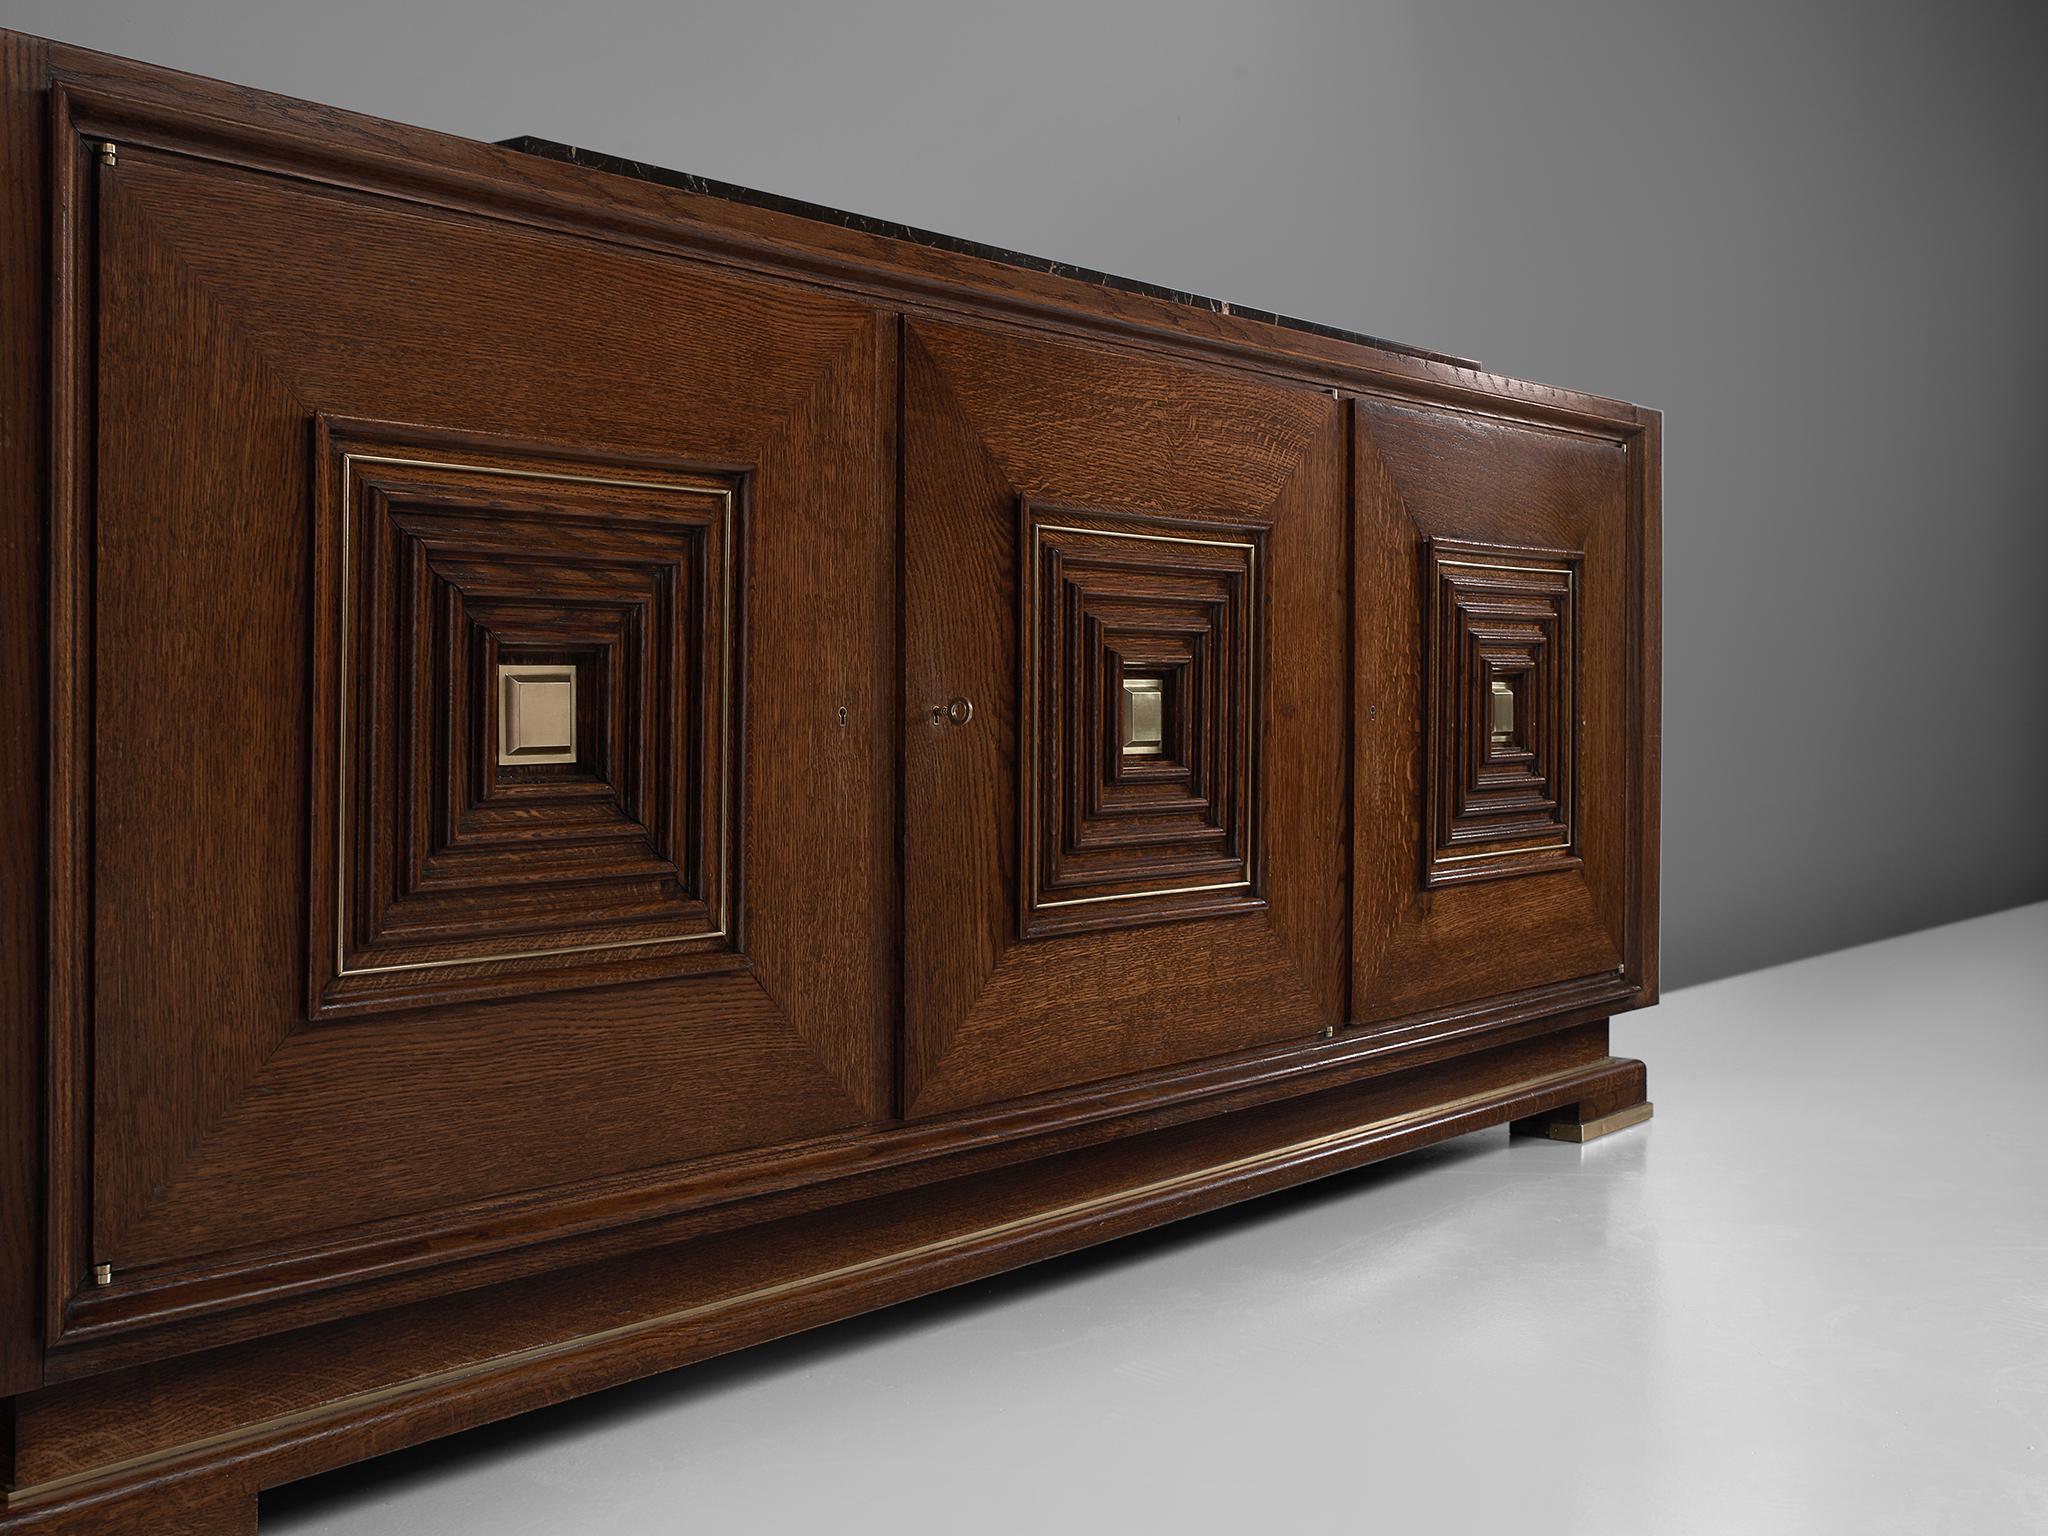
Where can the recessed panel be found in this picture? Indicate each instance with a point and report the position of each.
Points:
(532, 723)
(1129, 619)
(1502, 717)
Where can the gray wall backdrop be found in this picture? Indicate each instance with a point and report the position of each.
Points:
(1815, 235)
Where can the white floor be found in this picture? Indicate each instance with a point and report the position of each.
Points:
(1811, 1296)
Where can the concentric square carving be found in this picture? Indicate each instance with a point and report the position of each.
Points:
(1138, 759)
(457, 571)
(1502, 712)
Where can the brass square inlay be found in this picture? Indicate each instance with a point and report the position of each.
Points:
(1144, 716)
(1503, 722)
(536, 714)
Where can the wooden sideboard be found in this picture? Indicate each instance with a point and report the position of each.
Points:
(601, 768)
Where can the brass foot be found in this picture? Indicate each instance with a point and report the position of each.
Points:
(1606, 1125)
(1565, 1124)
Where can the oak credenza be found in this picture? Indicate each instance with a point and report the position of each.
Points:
(601, 768)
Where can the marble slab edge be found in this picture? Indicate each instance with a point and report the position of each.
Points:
(705, 186)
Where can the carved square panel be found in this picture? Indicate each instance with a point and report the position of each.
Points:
(1138, 759)
(1501, 712)
(531, 719)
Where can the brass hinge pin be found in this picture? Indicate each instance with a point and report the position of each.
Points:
(103, 1274)
(109, 152)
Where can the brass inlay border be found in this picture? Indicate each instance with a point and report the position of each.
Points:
(1038, 532)
(725, 495)
(511, 1360)
(1530, 570)
(1500, 853)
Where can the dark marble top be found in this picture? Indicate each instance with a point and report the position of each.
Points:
(705, 186)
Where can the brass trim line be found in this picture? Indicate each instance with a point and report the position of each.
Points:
(1532, 569)
(1152, 538)
(336, 1408)
(1502, 853)
(725, 494)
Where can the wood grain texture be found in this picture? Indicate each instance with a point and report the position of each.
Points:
(338, 1225)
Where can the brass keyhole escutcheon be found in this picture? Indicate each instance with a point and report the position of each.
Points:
(959, 712)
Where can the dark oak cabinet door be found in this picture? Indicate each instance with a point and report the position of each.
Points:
(1503, 729)
(474, 768)
(1125, 673)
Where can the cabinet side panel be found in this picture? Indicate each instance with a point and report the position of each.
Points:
(23, 258)
(1648, 451)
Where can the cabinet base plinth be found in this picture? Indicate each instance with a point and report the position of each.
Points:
(201, 1434)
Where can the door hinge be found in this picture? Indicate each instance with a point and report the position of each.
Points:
(103, 1274)
(109, 152)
